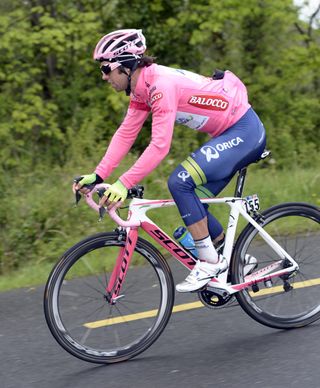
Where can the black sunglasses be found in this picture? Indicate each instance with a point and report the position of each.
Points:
(106, 69)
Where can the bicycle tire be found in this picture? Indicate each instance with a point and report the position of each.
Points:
(271, 304)
(123, 336)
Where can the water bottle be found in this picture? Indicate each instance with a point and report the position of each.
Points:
(183, 236)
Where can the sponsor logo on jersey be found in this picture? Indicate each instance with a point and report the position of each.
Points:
(152, 90)
(184, 120)
(214, 152)
(212, 102)
(156, 97)
(193, 120)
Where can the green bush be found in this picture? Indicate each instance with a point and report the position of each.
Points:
(39, 220)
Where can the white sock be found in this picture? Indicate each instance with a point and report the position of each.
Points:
(206, 250)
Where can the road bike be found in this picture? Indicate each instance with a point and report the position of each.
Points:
(111, 295)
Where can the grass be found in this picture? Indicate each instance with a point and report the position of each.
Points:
(64, 229)
(29, 276)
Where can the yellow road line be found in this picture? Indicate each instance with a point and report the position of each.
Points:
(145, 314)
(188, 306)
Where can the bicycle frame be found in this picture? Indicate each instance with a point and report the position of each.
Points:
(137, 218)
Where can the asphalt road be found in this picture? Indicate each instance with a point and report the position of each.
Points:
(199, 348)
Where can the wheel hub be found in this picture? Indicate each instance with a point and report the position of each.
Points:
(113, 301)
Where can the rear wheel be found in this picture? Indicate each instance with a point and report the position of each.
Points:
(284, 303)
(77, 307)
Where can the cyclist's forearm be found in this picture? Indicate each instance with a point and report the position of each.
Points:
(147, 162)
(117, 150)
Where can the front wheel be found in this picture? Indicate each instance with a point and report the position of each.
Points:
(78, 310)
(282, 303)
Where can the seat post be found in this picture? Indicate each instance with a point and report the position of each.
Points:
(240, 182)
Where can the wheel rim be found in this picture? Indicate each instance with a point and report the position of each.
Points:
(84, 319)
(302, 302)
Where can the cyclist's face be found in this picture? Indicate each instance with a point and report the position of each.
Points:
(115, 78)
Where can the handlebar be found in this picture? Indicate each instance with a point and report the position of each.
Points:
(100, 188)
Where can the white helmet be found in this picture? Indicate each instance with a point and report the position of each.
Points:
(121, 45)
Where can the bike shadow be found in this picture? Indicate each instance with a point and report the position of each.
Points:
(265, 352)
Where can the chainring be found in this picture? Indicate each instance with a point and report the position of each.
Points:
(214, 300)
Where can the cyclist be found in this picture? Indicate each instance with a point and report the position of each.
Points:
(217, 105)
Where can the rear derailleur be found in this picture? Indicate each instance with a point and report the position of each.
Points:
(286, 285)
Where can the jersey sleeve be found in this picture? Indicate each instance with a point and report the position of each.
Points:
(123, 138)
(163, 101)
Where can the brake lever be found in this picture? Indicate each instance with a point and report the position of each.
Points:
(101, 191)
(102, 213)
(102, 210)
(78, 197)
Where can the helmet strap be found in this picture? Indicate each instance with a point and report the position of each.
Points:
(128, 89)
(134, 68)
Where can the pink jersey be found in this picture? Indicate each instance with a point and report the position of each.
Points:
(172, 95)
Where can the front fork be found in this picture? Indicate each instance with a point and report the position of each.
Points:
(122, 264)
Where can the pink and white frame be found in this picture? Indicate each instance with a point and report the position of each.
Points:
(137, 218)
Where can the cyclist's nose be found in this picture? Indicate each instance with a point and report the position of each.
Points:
(105, 77)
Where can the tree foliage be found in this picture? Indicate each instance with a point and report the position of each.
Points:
(53, 104)
(56, 111)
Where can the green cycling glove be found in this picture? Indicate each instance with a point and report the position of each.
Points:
(90, 179)
(117, 192)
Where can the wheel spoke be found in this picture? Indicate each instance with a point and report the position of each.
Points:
(292, 307)
(81, 315)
